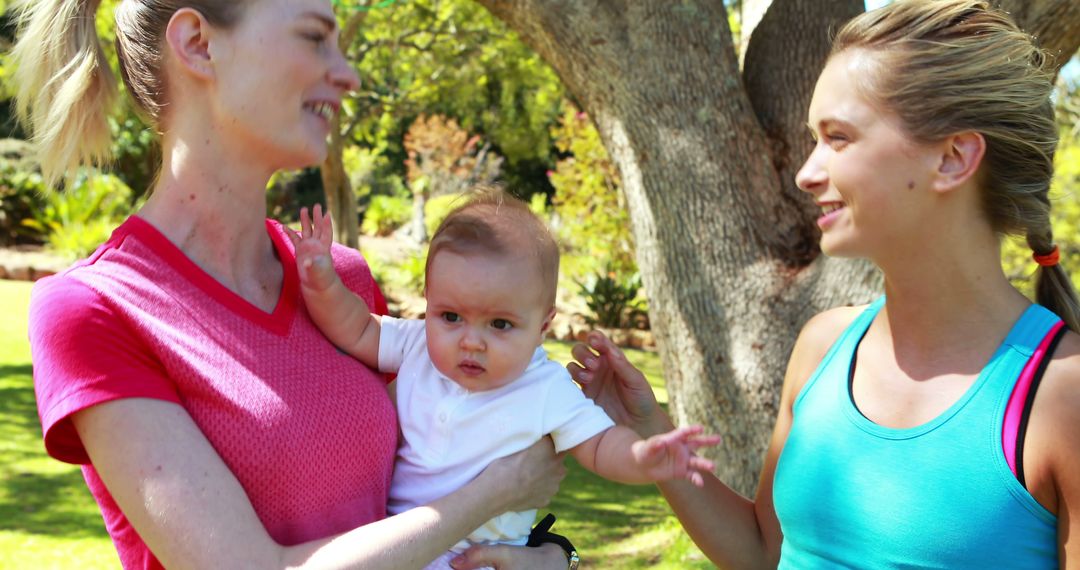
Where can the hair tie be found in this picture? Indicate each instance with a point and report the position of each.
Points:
(1048, 259)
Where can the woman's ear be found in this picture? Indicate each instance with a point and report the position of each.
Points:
(961, 156)
(188, 38)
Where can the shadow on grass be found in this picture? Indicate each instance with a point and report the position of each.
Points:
(600, 511)
(53, 504)
(53, 500)
(17, 404)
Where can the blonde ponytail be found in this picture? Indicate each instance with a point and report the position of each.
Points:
(65, 88)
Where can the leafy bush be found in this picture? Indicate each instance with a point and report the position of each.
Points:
(385, 214)
(21, 193)
(78, 219)
(592, 223)
(436, 209)
(408, 275)
(611, 297)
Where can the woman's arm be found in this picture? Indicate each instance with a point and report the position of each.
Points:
(192, 512)
(1052, 447)
(731, 530)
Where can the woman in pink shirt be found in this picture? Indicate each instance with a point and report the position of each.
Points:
(215, 425)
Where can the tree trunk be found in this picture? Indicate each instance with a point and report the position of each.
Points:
(726, 244)
(340, 200)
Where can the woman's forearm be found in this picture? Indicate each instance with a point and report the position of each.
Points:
(192, 512)
(408, 540)
(722, 523)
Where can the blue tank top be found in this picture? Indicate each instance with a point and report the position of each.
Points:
(850, 493)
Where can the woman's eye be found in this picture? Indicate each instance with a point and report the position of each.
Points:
(451, 317)
(317, 38)
(502, 324)
(836, 139)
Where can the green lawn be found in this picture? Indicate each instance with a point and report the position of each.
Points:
(49, 520)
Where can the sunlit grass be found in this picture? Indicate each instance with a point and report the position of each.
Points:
(47, 517)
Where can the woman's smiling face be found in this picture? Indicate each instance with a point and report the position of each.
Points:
(280, 78)
(865, 172)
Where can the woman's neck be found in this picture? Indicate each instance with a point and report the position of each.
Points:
(950, 302)
(213, 208)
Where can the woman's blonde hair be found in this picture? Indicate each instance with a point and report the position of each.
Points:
(64, 87)
(946, 66)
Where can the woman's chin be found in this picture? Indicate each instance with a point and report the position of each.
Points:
(307, 158)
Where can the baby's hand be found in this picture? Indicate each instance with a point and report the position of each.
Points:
(312, 248)
(671, 455)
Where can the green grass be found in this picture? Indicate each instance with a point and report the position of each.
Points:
(47, 517)
(49, 520)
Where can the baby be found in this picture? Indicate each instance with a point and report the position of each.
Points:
(473, 382)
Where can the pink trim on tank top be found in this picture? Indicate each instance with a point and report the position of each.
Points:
(1014, 412)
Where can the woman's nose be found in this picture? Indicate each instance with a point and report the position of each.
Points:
(812, 174)
(342, 75)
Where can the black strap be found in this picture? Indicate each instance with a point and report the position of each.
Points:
(540, 534)
(1022, 430)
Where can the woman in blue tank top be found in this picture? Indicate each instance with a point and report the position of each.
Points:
(910, 432)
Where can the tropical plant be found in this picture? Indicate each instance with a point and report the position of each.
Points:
(611, 297)
(79, 218)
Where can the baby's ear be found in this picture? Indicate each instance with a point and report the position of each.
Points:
(547, 321)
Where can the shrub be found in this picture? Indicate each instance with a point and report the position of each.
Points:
(78, 219)
(611, 297)
(592, 223)
(385, 214)
(21, 194)
(436, 209)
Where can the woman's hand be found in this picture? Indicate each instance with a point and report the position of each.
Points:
(527, 479)
(503, 557)
(614, 384)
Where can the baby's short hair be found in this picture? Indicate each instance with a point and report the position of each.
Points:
(490, 221)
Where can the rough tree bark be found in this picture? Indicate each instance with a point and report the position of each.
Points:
(340, 200)
(725, 241)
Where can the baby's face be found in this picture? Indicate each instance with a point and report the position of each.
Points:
(485, 317)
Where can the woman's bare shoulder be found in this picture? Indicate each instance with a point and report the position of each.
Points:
(816, 338)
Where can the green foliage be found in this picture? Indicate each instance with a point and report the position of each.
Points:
(436, 209)
(80, 218)
(21, 193)
(47, 517)
(593, 224)
(370, 173)
(136, 152)
(452, 58)
(611, 297)
(408, 275)
(385, 214)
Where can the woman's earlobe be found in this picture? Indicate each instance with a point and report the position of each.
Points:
(960, 160)
(188, 39)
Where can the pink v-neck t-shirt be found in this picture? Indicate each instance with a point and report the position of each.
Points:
(308, 431)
